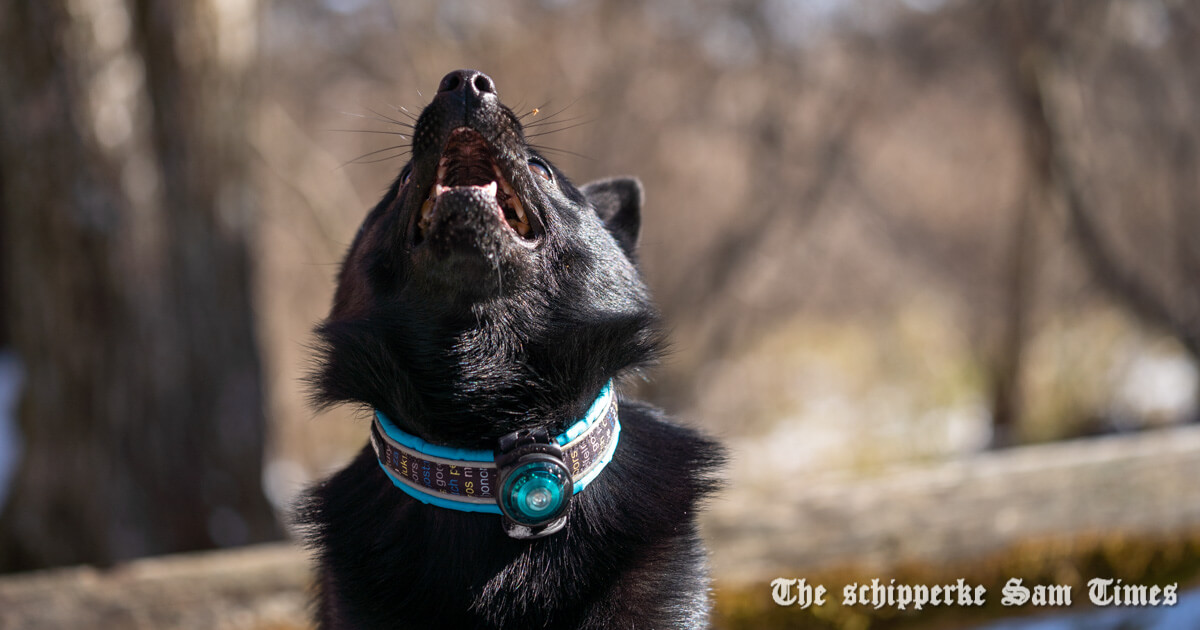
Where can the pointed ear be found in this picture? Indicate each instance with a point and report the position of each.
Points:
(618, 201)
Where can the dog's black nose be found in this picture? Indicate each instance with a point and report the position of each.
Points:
(473, 82)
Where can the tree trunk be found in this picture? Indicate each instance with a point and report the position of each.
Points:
(1015, 26)
(125, 210)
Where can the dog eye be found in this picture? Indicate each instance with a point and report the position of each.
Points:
(405, 176)
(539, 168)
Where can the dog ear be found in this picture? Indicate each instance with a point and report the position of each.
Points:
(618, 202)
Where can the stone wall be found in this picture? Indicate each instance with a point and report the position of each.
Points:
(1143, 484)
(257, 588)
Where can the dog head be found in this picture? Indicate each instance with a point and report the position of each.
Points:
(485, 293)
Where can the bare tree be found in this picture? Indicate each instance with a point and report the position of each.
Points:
(1107, 147)
(126, 209)
(1142, 246)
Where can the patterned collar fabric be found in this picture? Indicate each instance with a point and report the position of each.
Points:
(467, 480)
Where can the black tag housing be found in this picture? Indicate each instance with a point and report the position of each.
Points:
(520, 450)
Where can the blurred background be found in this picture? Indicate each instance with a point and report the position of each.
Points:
(882, 233)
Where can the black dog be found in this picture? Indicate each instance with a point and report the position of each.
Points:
(486, 304)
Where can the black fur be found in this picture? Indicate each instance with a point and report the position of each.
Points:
(462, 331)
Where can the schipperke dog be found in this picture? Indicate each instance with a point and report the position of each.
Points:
(484, 314)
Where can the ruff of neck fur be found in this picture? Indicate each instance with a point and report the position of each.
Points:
(467, 480)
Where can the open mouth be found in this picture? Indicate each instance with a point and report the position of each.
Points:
(468, 163)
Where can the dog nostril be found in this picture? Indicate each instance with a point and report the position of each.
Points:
(484, 84)
(470, 80)
(450, 82)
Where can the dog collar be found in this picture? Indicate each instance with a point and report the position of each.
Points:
(470, 480)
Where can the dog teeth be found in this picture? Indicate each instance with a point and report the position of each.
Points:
(499, 190)
(426, 214)
(519, 227)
